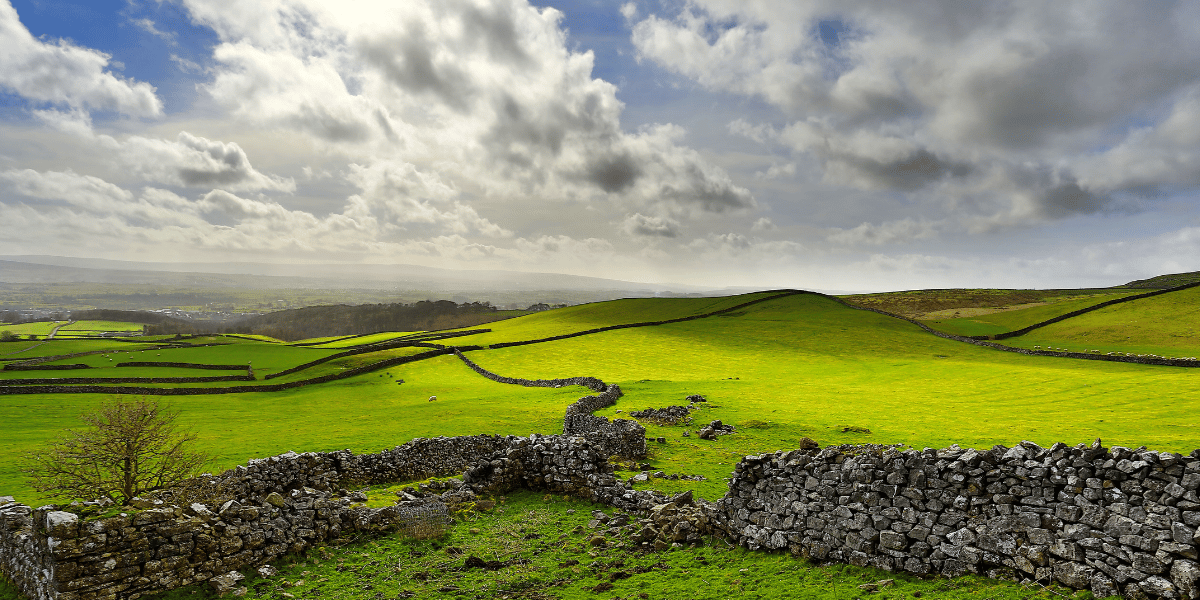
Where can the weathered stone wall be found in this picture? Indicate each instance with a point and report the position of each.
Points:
(58, 556)
(620, 437)
(1111, 521)
(24, 551)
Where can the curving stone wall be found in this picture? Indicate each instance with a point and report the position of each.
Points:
(1112, 521)
(619, 437)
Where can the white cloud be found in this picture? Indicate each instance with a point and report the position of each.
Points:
(638, 224)
(150, 27)
(993, 114)
(486, 94)
(902, 231)
(64, 74)
(763, 224)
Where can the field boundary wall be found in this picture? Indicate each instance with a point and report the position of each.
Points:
(1076, 313)
(620, 437)
(784, 293)
(1107, 520)
(1141, 360)
(237, 389)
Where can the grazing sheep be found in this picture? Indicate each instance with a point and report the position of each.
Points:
(432, 398)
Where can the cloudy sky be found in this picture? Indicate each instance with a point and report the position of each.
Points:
(850, 145)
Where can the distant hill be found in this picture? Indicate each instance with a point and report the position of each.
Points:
(53, 269)
(1163, 282)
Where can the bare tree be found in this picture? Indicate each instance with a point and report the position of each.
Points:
(129, 448)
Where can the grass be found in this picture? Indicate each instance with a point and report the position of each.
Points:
(97, 326)
(38, 328)
(1167, 325)
(920, 304)
(546, 540)
(813, 368)
(600, 314)
(367, 413)
(342, 342)
(1001, 321)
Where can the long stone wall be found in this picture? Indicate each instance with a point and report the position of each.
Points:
(1112, 521)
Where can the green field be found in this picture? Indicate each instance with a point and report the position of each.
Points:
(38, 328)
(1003, 321)
(1166, 325)
(782, 369)
(801, 365)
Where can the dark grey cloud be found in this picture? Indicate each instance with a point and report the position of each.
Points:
(614, 174)
(496, 26)
(408, 61)
(910, 173)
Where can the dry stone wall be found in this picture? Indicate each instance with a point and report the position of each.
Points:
(620, 437)
(1112, 521)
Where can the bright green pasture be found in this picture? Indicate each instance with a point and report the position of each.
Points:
(600, 314)
(265, 357)
(780, 370)
(97, 326)
(1012, 320)
(1167, 325)
(341, 342)
(811, 367)
(60, 347)
(366, 413)
(38, 328)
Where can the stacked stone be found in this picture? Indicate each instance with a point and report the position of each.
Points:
(554, 463)
(676, 522)
(165, 548)
(1110, 521)
(24, 553)
(619, 437)
(669, 415)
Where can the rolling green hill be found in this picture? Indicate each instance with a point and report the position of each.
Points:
(786, 367)
(1166, 325)
(994, 321)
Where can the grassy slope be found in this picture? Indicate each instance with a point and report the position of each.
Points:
(601, 314)
(783, 369)
(812, 367)
(1168, 325)
(366, 414)
(1011, 320)
(39, 328)
(95, 326)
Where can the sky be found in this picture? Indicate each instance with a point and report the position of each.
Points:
(848, 145)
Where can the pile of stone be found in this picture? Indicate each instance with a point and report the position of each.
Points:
(643, 477)
(676, 522)
(713, 429)
(671, 415)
